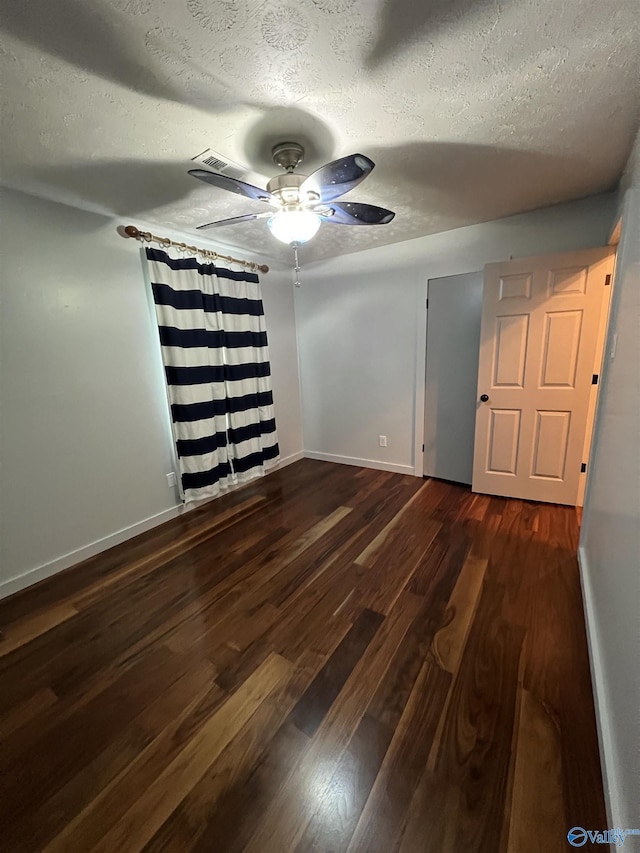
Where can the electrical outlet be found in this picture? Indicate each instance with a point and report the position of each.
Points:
(171, 478)
(382, 440)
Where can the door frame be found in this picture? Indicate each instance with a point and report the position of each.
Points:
(607, 353)
(420, 360)
(598, 370)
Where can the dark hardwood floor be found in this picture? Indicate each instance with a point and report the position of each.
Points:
(329, 659)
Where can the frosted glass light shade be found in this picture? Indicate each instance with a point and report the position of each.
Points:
(294, 226)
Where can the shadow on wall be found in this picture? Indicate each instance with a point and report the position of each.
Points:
(121, 187)
(478, 182)
(132, 186)
(102, 44)
(406, 22)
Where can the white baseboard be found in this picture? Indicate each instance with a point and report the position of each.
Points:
(39, 573)
(607, 752)
(361, 463)
(288, 460)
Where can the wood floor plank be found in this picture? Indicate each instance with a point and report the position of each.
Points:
(311, 621)
(187, 624)
(21, 632)
(115, 799)
(107, 636)
(84, 792)
(333, 825)
(365, 557)
(537, 788)
(476, 745)
(377, 508)
(37, 759)
(436, 573)
(289, 813)
(242, 807)
(281, 489)
(448, 643)
(382, 818)
(270, 570)
(406, 540)
(382, 584)
(171, 550)
(197, 816)
(557, 668)
(328, 657)
(251, 580)
(307, 637)
(428, 817)
(344, 798)
(345, 540)
(322, 692)
(25, 711)
(390, 699)
(164, 795)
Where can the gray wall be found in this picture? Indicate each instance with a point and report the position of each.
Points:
(610, 542)
(361, 327)
(85, 438)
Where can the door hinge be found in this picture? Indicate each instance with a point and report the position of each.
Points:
(607, 279)
(423, 448)
(583, 467)
(427, 303)
(594, 379)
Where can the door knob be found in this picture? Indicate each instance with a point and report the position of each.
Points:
(484, 397)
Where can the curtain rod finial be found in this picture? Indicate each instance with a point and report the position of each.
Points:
(129, 231)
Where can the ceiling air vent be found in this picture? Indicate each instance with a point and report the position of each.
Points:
(217, 163)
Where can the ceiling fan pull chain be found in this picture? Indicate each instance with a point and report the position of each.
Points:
(296, 267)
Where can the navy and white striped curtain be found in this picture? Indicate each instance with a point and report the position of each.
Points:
(216, 361)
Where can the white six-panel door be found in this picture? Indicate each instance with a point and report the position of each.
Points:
(540, 319)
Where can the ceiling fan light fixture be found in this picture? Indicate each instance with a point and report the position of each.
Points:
(294, 226)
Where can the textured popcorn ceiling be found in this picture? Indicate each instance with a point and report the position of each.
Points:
(471, 109)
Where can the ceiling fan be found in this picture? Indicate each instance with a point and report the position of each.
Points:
(302, 202)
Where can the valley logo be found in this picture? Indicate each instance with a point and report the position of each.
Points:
(578, 836)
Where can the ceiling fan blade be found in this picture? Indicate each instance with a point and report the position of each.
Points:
(338, 177)
(352, 213)
(233, 185)
(234, 219)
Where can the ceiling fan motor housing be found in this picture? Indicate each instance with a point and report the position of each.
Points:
(287, 187)
(288, 155)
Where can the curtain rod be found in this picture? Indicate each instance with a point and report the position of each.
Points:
(148, 237)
